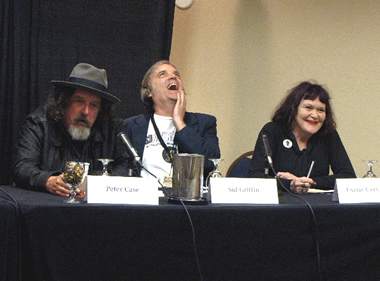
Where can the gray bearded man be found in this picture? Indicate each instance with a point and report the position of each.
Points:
(76, 124)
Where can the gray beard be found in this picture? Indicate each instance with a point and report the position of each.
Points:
(79, 133)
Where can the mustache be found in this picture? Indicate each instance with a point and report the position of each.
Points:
(82, 118)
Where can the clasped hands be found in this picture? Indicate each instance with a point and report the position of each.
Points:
(298, 185)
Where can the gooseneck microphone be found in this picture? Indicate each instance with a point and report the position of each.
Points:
(268, 151)
(131, 150)
(268, 154)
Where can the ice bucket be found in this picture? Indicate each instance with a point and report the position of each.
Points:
(187, 182)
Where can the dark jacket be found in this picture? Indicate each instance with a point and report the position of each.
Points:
(327, 152)
(45, 146)
(199, 136)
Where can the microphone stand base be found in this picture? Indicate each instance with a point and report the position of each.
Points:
(201, 201)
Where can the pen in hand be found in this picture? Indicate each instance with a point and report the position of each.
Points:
(310, 169)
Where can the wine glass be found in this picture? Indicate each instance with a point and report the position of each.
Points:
(105, 165)
(370, 174)
(73, 176)
(215, 173)
(83, 185)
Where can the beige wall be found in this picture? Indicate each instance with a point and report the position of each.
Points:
(238, 58)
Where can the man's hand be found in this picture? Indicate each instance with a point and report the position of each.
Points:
(56, 185)
(179, 111)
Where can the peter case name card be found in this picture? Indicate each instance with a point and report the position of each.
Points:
(244, 190)
(122, 190)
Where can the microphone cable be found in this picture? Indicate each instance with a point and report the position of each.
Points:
(188, 216)
(268, 154)
(313, 216)
(140, 166)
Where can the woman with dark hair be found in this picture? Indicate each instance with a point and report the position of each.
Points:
(303, 137)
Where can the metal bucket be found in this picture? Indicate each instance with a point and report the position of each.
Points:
(187, 177)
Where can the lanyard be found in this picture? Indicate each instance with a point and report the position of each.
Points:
(163, 144)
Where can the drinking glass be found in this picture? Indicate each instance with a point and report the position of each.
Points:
(73, 176)
(215, 173)
(83, 185)
(370, 174)
(105, 165)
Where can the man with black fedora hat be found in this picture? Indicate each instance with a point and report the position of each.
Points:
(76, 124)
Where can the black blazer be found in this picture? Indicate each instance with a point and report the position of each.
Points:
(199, 136)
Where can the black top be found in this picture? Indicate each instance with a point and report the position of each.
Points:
(326, 152)
(45, 146)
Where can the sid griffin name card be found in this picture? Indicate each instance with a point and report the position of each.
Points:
(358, 190)
(122, 190)
(244, 190)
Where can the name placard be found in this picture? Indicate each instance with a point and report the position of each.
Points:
(122, 190)
(244, 190)
(358, 190)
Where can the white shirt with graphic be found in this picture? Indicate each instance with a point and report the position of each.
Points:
(153, 159)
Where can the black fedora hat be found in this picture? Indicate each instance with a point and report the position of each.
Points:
(88, 78)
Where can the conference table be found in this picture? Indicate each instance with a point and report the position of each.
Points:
(9, 241)
(44, 238)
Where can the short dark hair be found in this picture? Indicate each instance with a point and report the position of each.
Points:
(58, 101)
(287, 110)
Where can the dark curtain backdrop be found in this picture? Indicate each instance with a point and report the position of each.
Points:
(42, 40)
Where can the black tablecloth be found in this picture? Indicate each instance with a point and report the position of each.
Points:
(61, 241)
(9, 239)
